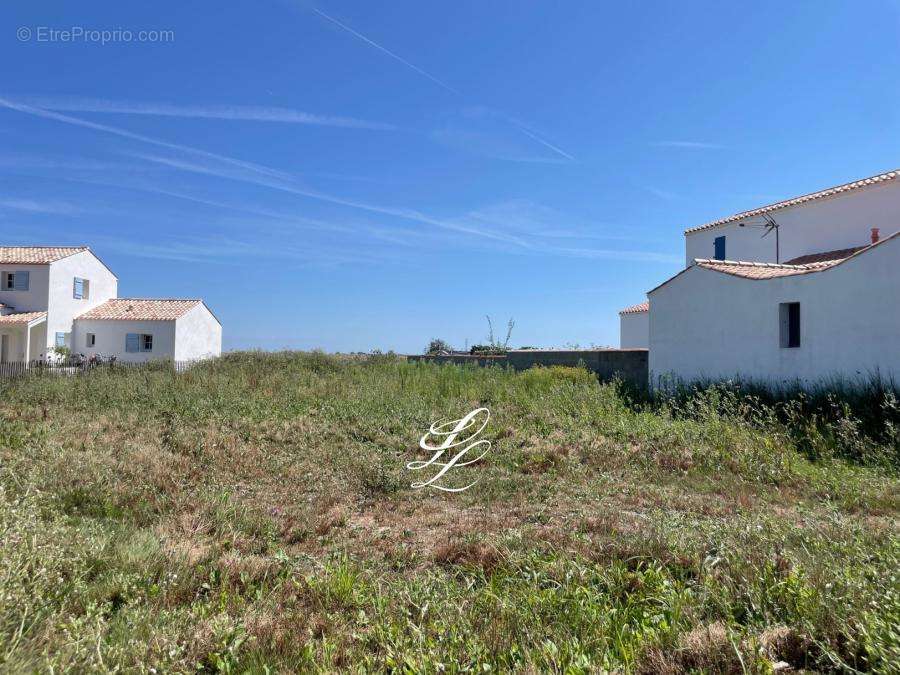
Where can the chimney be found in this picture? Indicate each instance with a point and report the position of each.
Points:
(874, 235)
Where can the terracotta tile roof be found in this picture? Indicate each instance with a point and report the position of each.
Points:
(826, 256)
(36, 255)
(636, 309)
(134, 309)
(756, 270)
(829, 192)
(21, 317)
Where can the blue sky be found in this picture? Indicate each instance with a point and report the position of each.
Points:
(358, 175)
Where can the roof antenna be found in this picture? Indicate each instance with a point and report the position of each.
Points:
(770, 225)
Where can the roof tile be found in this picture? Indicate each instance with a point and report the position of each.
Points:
(134, 309)
(636, 309)
(21, 317)
(828, 192)
(825, 256)
(757, 270)
(36, 255)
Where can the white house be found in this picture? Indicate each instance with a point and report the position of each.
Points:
(634, 326)
(800, 290)
(54, 297)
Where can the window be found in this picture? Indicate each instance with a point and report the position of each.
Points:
(789, 316)
(719, 248)
(135, 342)
(15, 281)
(90, 340)
(81, 289)
(60, 340)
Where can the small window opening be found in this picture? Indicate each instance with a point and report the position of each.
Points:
(789, 314)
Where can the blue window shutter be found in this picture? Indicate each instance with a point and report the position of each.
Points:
(719, 248)
(20, 281)
(79, 289)
(132, 342)
(60, 339)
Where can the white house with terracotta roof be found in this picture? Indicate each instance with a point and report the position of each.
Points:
(55, 297)
(634, 326)
(800, 290)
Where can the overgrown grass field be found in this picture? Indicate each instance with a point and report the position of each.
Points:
(255, 514)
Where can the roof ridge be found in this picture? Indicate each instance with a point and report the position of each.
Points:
(800, 199)
(751, 263)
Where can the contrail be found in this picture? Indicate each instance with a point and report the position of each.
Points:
(386, 51)
(222, 112)
(440, 83)
(77, 121)
(533, 136)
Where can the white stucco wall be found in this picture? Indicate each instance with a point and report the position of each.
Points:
(828, 224)
(111, 339)
(705, 324)
(634, 330)
(35, 298)
(198, 335)
(62, 306)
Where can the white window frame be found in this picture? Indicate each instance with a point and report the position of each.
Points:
(145, 337)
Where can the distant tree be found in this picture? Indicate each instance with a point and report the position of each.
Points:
(438, 346)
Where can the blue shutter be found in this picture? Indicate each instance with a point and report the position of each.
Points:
(79, 289)
(20, 281)
(132, 342)
(719, 248)
(60, 339)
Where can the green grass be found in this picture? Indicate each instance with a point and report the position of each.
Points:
(254, 515)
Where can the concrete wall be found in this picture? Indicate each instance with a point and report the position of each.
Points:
(627, 364)
(828, 224)
(634, 330)
(35, 298)
(198, 335)
(708, 325)
(460, 359)
(111, 339)
(63, 307)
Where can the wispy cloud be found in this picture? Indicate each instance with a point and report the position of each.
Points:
(202, 162)
(35, 206)
(385, 50)
(221, 250)
(662, 194)
(689, 145)
(616, 254)
(295, 188)
(219, 112)
(123, 133)
(20, 161)
(522, 127)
